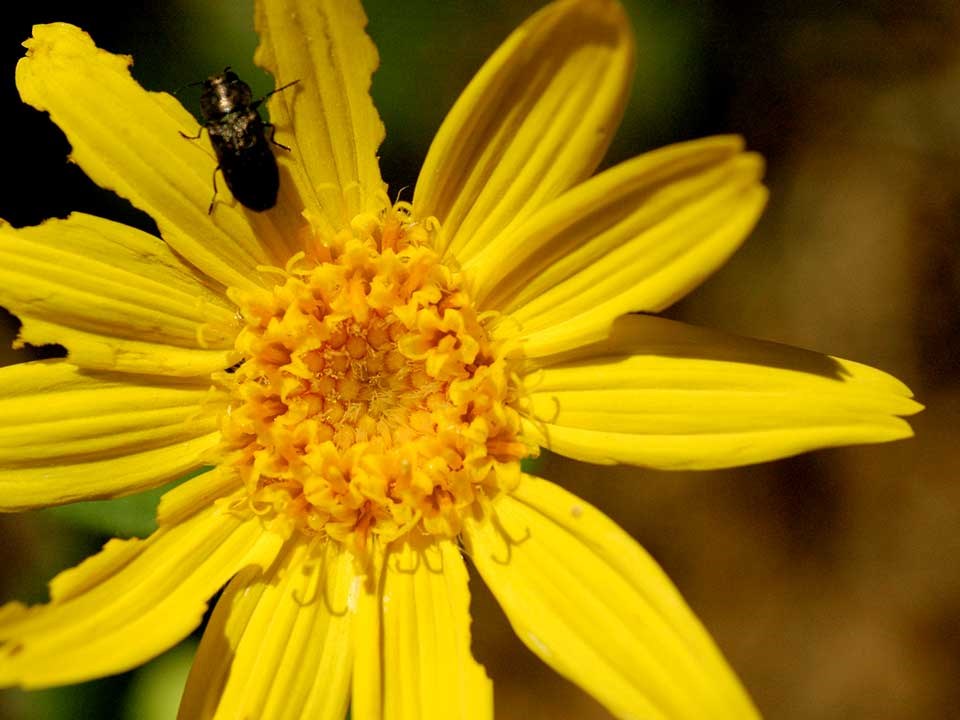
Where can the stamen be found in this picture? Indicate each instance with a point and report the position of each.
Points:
(370, 399)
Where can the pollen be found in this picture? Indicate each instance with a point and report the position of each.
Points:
(370, 399)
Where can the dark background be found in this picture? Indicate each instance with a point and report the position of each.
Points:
(829, 580)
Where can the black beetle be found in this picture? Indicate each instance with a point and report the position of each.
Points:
(237, 133)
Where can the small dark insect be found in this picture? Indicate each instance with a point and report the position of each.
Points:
(237, 134)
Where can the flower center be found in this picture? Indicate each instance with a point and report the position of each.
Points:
(370, 398)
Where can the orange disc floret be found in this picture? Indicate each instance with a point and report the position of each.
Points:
(370, 398)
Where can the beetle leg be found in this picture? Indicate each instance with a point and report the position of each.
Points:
(214, 198)
(192, 137)
(273, 131)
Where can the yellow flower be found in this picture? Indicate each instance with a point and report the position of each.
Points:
(366, 377)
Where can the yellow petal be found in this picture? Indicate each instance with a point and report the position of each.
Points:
(180, 502)
(366, 701)
(535, 121)
(637, 237)
(106, 352)
(592, 604)
(429, 672)
(128, 140)
(137, 305)
(198, 493)
(328, 119)
(131, 602)
(72, 435)
(664, 394)
(595, 218)
(278, 644)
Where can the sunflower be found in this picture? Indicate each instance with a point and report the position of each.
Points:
(360, 379)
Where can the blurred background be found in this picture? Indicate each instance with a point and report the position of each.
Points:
(830, 580)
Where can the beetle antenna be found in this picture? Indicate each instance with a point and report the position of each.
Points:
(282, 87)
(184, 87)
